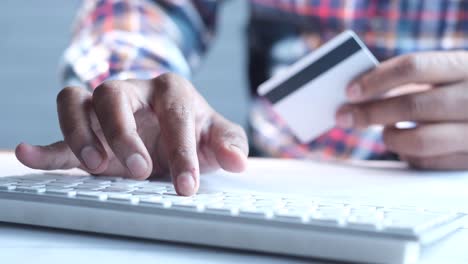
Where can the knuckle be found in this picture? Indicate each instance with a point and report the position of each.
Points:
(414, 106)
(167, 82)
(419, 142)
(178, 112)
(66, 94)
(118, 137)
(54, 163)
(73, 133)
(168, 79)
(366, 81)
(406, 66)
(179, 153)
(235, 134)
(107, 88)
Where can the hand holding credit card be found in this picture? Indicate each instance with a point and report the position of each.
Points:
(308, 93)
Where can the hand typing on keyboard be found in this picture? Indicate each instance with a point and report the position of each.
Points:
(140, 128)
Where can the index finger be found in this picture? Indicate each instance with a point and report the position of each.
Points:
(424, 67)
(174, 108)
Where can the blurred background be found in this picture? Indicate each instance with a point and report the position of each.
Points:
(33, 35)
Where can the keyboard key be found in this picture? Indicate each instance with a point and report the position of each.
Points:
(159, 183)
(325, 221)
(152, 198)
(156, 201)
(209, 194)
(111, 178)
(127, 198)
(146, 191)
(238, 197)
(92, 195)
(207, 198)
(68, 180)
(97, 182)
(34, 182)
(119, 195)
(7, 181)
(233, 204)
(220, 210)
(33, 185)
(188, 206)
(117, 190)
(129, 183)
(170, 193)
(365, 221)
(255, 213)
(32, 189)
(284, 216)
(82, 187)
(7, 187)
(330, 212)
(176, 199)
(143, 196)
(61, 184)
(212, 204)
(63, 192)
(152, 188)
(34, 177)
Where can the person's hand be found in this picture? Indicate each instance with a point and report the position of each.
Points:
(141, 128)
(440, 108)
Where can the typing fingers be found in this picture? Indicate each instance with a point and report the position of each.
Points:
(173, 104)
(74, 110)
(115, 105)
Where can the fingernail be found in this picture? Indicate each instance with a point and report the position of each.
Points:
(345, 120)
(185, 184)
(137, 165)
(91, 157)
(354, 92)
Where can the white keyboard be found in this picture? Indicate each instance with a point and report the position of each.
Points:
(273, 223)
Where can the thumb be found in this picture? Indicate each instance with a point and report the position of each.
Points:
(229, 144)
(55, 156)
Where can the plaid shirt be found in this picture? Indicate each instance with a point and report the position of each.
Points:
(121, 39)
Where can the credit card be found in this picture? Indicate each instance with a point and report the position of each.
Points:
(308, 93)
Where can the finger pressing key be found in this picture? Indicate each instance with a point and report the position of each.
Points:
(112, 103)
(173, 106)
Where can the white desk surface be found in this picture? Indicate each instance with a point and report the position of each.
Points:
(23, 244)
